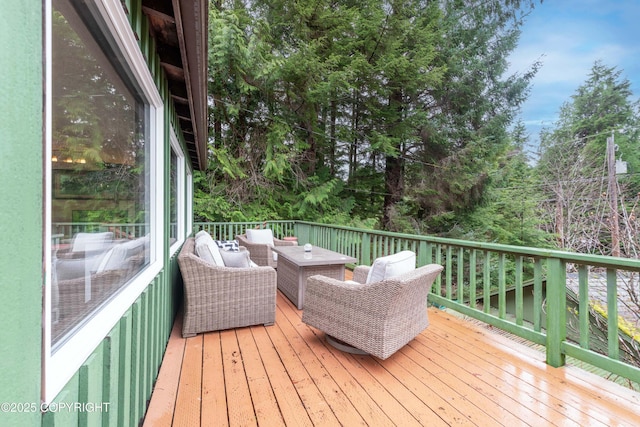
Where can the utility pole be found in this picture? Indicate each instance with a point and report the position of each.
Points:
(613, 196)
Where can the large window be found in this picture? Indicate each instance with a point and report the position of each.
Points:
(100, 153)
(104, 133)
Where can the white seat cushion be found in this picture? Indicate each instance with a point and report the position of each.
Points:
(391, 266)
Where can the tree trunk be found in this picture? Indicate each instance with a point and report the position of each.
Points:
(394, 186)
(560, 220)
(394, 168)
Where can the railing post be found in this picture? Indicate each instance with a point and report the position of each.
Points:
(333, 239)
(556, 311)
(303, 232)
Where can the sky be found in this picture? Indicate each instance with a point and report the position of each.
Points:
(568, 36)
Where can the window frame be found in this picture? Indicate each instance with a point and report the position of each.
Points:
(180, 189)
(58, 368)
(189, 205)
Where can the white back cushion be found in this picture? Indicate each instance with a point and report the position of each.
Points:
(391, 266)
(260, 236)
(208, 251)
(91, 241)
(119, 255)
(238, 259)
(203, 236)
(202, 233)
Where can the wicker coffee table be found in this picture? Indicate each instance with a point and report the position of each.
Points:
(295, 265)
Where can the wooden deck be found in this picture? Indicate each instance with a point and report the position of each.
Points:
(454, 373)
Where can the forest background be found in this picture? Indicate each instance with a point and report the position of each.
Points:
(399, 115)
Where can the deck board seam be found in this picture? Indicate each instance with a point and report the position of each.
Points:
(509, 372)
(533, 366)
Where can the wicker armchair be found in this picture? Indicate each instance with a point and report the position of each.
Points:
(261, 253)
(378, 318)
(217, 298)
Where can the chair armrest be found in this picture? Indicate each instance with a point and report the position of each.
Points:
(336, 295)
(202, 278)
(279, 242)
(260, 252)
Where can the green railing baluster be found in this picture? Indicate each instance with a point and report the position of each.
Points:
(422, 257)
(366, 249)
(519, 292)
(438, 260)
(502, 287)
(583, 305)
(612, 313)
(460, 273)
(537, 295)
(472, 278)
(449, 273)
(486, 278)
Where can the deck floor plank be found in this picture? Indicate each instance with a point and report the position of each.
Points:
(454, 373)
(523, 396)
(188, 401)
(264, 401)
(314, 401)
(571, 397)
(429, 365)
(214, 395)
(427, 407)
(290, 404)
(331, 377)
(405, 412)
(240, 405)
(162, 407)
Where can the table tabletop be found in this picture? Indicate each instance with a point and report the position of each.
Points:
(317, 256)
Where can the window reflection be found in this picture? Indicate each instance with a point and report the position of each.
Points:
(173, 198)
(100, 201)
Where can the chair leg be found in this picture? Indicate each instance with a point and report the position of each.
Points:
(343, 346)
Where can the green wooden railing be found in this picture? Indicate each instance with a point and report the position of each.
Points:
(66, 230)
(476, 272)
(528, 285)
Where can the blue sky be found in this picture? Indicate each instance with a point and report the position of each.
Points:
(568, 36)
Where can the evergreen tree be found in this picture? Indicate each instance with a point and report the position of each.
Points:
(573, 161)
(388, 111)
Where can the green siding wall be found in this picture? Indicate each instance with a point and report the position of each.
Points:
(20, 207)
(123, 369)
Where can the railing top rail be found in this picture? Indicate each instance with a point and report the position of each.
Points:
(595, 260)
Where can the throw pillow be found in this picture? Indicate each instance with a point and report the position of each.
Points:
(391, 266)
(228, 245)
(236, 259)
